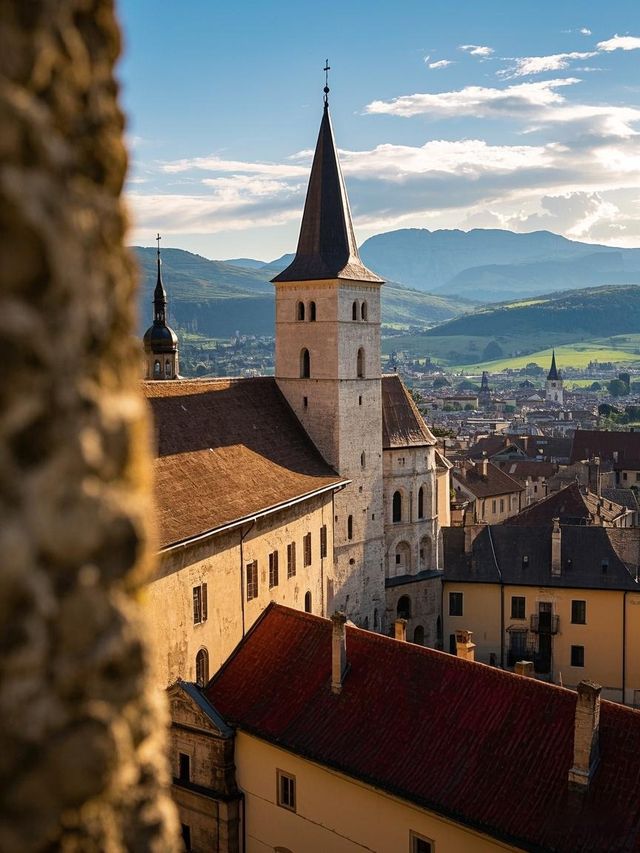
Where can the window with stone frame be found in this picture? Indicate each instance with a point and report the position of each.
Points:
(307, 549)
(577, 656)
(578, 612)
(518, 603)
(323, 540)
(455, 604)
(252, 580)
(286, 784)
(200, 604)
(420, 843)
(273, 569)
(291, 559)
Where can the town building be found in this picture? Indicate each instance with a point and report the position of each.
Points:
(489, 493)
(312, 488)
(565, 597)
(575, 504)
(621, 450)
(317, 735)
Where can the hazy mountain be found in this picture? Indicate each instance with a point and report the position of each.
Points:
(490, 264)
(247, 263)
(217, 298)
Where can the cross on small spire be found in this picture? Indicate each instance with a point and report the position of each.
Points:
(326, 69)
(158, 238)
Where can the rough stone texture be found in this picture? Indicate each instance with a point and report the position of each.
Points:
(82, 738)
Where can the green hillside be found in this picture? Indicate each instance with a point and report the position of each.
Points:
(217, 299)
(598, 322)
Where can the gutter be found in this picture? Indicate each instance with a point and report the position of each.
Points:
(495, 560)
(624, 645)
(214, 531)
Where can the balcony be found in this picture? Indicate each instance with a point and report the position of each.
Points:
(544, 623)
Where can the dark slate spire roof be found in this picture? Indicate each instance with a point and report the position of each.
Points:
(160, 338)
(553, 372)
(327, 245)
(159, 297)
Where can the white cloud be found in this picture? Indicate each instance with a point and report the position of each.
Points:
(441, 63)
(479, 101)
(213, 163)
(585, 31)
(619, 43)
(538, 64)
(476, 49)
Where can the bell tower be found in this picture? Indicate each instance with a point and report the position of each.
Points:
(554, 385)
(328, 368)
(160, 341)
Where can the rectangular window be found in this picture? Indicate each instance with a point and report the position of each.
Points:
(323, 540)
(493, 507)
(286, 790)
(578, 612)
(455, 604)
(185, 767)
(252, 580)
(577, 655)
(420, 844)
(291, 559)
(501, 504)
(517, 606)
(199, 604)
(307, 549)
(273, 569)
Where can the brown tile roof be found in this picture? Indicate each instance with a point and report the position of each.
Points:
(521, 469)
(602, 443)
(402, 423)
(571, 505)
(478, 745)
(226, 449)
(495, 483)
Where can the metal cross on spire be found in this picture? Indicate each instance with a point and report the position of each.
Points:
(326, 69)
(158, 238)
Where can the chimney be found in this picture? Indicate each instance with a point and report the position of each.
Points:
(470, 533)
(586, 751)
(593, 466)
(338, 651)
(464, 647)
(400, 629)
(525, 668)
(556, 549)
(484, 467)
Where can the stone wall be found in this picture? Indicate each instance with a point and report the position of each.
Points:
(82, 734)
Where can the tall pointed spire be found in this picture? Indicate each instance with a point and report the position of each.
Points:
(159, 294)
(553, 372)
(327, 245)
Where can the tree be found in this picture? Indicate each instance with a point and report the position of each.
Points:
(595, 386)
(492, 351)
(618, 388)
(441, 382)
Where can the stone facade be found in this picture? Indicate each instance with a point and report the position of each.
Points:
(220, 562)
(341, 411)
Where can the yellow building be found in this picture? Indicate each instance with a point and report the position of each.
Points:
(319, 736)
(566, 597)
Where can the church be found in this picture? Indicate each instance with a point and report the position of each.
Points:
(318, 488)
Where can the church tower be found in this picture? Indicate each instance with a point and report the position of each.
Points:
(328, 368)
(160, 341)
(554, 389)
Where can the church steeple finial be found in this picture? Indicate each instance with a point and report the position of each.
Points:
(326, 69)
(159, 294)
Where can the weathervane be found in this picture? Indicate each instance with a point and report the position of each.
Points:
(158, 238)
(326, 69)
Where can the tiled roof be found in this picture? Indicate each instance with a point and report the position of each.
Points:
(571, 505)
(496, 481)
(473, 743)
(624, 497)
(602, 443)
(499, 551)
(226, 449)
(402, 423)
(521, 469)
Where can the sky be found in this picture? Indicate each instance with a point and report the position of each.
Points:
(470, 114)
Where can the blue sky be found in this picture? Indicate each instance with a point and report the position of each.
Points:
(480, 113)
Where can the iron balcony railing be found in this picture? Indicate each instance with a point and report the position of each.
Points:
(544, 623)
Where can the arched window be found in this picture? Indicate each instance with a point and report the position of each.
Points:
(425, 553)
(404, 607)
(363, 459)
(300, 311)
(202, 667)
(360, 363)
(397, 507)
(363, 311)
(312, 312)
(418, 635)
(167, 368)
(350, 527)
(305, 364)
(421, 502)
(156, 368)
(402, 559)
(354, 311)
(307, 602)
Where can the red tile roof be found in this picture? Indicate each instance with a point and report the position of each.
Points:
(484, 747)
(571, 505)
(496, 481)
(621, 448)
(402, 423)
(227, 448)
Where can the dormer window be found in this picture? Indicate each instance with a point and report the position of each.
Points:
(525, 561)
(605, 566)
